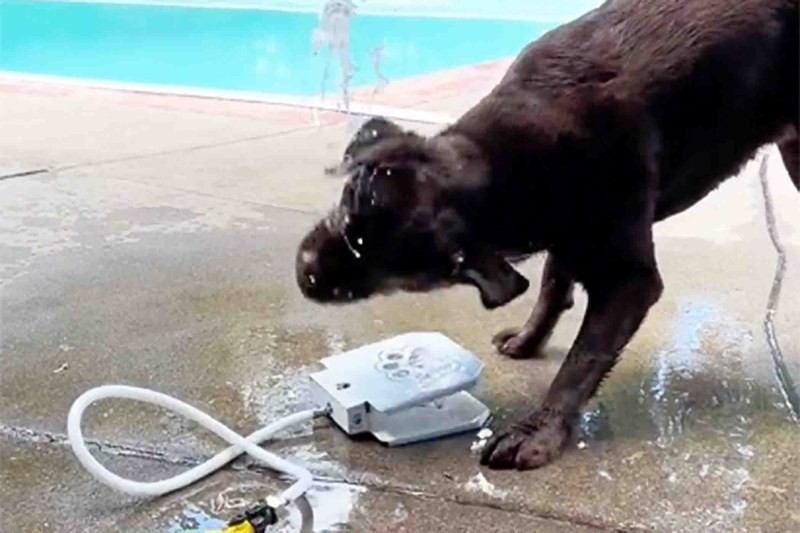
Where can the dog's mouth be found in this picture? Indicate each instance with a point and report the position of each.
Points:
(494, 292)
(497, 285)
(413, 285)
(331, 270)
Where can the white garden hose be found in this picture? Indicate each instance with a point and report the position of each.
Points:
(238, 446)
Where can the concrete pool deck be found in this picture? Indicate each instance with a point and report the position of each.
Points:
(149, 240)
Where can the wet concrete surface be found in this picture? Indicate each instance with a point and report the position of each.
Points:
(174, 270)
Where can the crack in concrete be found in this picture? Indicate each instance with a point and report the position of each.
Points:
(24, 173)
(496, 506)
(117, 450)
(194, 148)
(162, 186)
(188, 149)
(787, 385)
(29, 435)
(223, 198)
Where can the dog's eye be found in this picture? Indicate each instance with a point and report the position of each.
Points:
(385, 171)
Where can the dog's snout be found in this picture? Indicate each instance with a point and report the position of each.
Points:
(326, 268)
(312, 279)
(307, 272)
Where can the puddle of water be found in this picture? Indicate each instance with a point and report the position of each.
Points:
(279, 363)
(195, 519)
(730, 484)
(320, 461)
(668, 405)
(594, 425)
(686, 388)
(270, 398)
(326, 507)
(700, 401)
(332, 505)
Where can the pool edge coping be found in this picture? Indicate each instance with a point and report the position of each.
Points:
(281, 100)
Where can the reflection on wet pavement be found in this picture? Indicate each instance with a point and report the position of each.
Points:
(327, 507)
(668, 391)
(705, 411)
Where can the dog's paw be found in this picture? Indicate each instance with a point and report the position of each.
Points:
(530, 445)
(517, 343)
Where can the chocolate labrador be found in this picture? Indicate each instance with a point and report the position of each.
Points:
(600, 128)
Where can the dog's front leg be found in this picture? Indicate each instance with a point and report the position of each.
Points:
(614, 313)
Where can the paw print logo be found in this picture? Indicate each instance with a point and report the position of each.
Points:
(395, 364)
(414, 364)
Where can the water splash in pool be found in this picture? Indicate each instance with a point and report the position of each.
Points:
(333, 34)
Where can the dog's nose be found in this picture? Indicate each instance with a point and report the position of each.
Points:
(326, 280)
(316, 274)
(326, 269)
(309, 275)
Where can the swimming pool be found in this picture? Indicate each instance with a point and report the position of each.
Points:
(237, 49)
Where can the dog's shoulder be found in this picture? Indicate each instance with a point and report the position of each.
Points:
(607, 68)
(629, 45)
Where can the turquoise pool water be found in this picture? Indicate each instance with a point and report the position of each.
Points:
(236, 49)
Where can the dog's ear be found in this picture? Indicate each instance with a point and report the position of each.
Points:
(370, 133)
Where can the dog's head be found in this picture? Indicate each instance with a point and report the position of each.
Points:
(405, 221)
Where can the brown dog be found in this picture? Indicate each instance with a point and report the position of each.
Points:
(602, 127)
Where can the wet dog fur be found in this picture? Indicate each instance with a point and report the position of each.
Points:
(599, 129)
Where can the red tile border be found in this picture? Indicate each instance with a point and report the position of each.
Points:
(401, 93)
